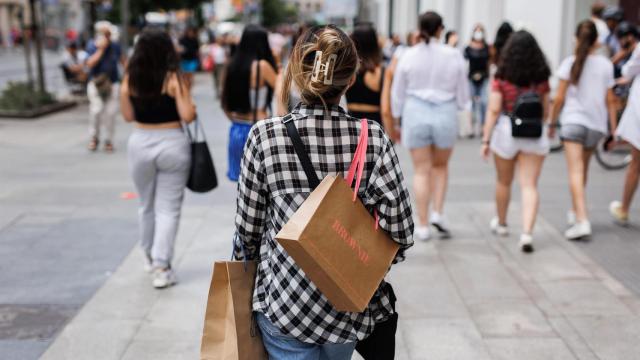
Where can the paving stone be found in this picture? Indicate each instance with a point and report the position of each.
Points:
(610, 337)
(510, 318)
(529, 349)
(584, 297)
(443, 339)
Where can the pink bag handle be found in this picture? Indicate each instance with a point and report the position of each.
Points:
(359, 158)
(359, 161)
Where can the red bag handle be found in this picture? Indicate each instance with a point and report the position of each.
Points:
(359, 161)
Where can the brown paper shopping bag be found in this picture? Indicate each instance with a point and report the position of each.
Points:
(336, 242)
(229, 332)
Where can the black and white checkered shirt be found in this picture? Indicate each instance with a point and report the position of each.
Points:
(272, 187)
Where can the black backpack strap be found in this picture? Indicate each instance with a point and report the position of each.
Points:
(298, 146)
(255, 96)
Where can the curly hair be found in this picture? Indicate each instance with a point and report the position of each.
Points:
(522, 62)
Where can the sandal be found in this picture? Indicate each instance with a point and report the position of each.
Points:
(93, 144)
(108, 147)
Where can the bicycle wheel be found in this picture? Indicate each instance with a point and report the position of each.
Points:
(614, 159)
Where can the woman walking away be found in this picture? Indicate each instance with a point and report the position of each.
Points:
(363, 97)
(156, 99)
(477, 53)
(247, 95)
(629, 130)
(295, 318)
(522, 70)
(502, 35)
(429, 86)
(189, 54)
(585, 96)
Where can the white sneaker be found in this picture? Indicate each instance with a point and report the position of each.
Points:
(148, 266)
(580, 230)
(571, 218)
(526, 243)
(163, 278)
(437, 220)
(422, 233)
(619, 216)
(497, 228)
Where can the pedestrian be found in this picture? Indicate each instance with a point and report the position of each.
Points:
(451, 38)
(612, 15)
(363, 97)
(156, 99)
(429, 86)
(104, 55)
(522, 69)
(585, 96)
(597, 8)
(247, 93)
(189, 47)
(502, 35)
(219, 57)
(296, 320)
(73, 62)
(629, 131)
(477, 53)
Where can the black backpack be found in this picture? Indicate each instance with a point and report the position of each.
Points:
(527, 116)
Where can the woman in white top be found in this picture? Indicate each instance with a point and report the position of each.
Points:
(429, 85)
(629, 131)
(585, 96)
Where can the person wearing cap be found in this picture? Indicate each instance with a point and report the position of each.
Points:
(627, 36)
(102, 90)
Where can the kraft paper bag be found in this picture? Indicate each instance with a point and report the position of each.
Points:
(335, 241)
(229, 330)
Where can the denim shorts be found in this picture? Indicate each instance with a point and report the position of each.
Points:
(425, 123)
(285, 347)
(581, 134)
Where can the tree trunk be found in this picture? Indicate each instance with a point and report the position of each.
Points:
(35, 33)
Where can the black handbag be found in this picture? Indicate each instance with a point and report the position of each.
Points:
(381, 344)
(202, 175)
(527, 116)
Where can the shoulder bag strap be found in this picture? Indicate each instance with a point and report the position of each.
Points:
(256, 90)
(298, 146)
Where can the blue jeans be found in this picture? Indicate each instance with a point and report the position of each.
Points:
(478, 100)
(285, 347)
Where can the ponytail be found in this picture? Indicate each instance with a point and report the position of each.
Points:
(430, 23)
(586, 35)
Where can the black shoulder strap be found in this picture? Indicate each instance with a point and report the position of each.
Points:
(298, 146)
(257, 88)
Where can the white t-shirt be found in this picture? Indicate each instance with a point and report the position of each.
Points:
(586, 103)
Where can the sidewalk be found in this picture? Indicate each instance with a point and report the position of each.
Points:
(467, 298)
(472, 297)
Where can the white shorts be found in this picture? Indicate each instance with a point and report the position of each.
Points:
(508, 147)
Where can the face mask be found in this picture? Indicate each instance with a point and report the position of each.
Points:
(478, 35)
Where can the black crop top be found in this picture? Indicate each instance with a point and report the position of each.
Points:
(155, 111)
(360, 93)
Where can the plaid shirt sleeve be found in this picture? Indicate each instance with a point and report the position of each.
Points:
(252, 201)
(387, 193)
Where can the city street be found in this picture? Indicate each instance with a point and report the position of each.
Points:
(72, 285)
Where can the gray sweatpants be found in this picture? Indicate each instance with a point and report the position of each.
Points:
(159, 161)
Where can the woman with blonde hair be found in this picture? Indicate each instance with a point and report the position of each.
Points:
(296, 320)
